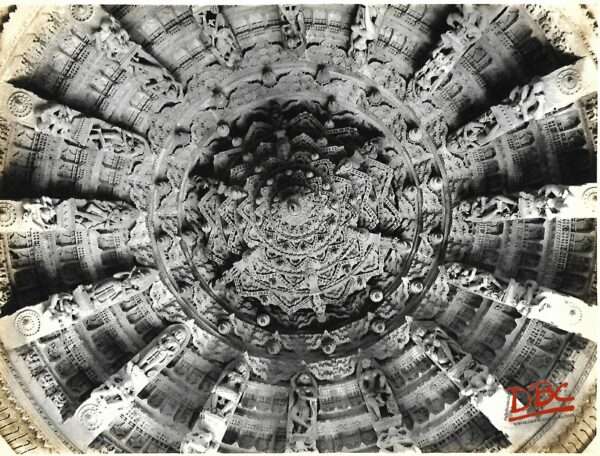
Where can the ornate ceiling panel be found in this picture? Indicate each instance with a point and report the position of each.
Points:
(295, 227)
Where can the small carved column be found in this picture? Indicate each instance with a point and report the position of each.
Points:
(472, 378)
(210, 427)
(302, 413)
(118, 393)
(65, 309)
(392, 433)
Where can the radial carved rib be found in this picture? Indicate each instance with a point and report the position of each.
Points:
(558, 148)
(48, 148)
(470, 67)
(530, 102)
(425, 394)
(170, 34)
(556, 253)
(91, 238)
(401, 37)
(84, 56)
(259, 421)
(529, 299)
(64, 309)
(118, 393)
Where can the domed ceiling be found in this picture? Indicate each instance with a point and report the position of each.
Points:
(296, 228)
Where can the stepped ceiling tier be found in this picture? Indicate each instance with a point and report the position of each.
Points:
(295, 228)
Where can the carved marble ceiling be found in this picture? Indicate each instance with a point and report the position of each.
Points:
(295, 228)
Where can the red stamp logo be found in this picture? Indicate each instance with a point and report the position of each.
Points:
(538, 399)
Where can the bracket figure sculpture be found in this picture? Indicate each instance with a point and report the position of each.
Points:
(62, 310)
(218, 35)
(293, 28)
(118, 393)
(207, 432)
(392, 433)
(302, 413)
(364, 31)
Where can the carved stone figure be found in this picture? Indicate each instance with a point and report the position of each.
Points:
(57, 120)
(199, 441)
(396, 439)
(477, 381)
(162, 351)
(293, 28)
(363, 32)
(223, 43)
(62, 307)
(377, 393)
(112, 40)
(442, 350)
(529, 100)
(302, 413)
(40, 212)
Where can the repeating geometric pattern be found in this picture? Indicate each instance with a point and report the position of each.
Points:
(282, 228)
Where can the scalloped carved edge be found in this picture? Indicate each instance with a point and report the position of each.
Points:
(580, 434)
(15, 420)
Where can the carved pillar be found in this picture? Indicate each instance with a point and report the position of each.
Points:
(210, 427)
(529, 299)
(302, 413)
(118, 393)
(64, 309)
(472, 378)
(532, 101)
(392, 433)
